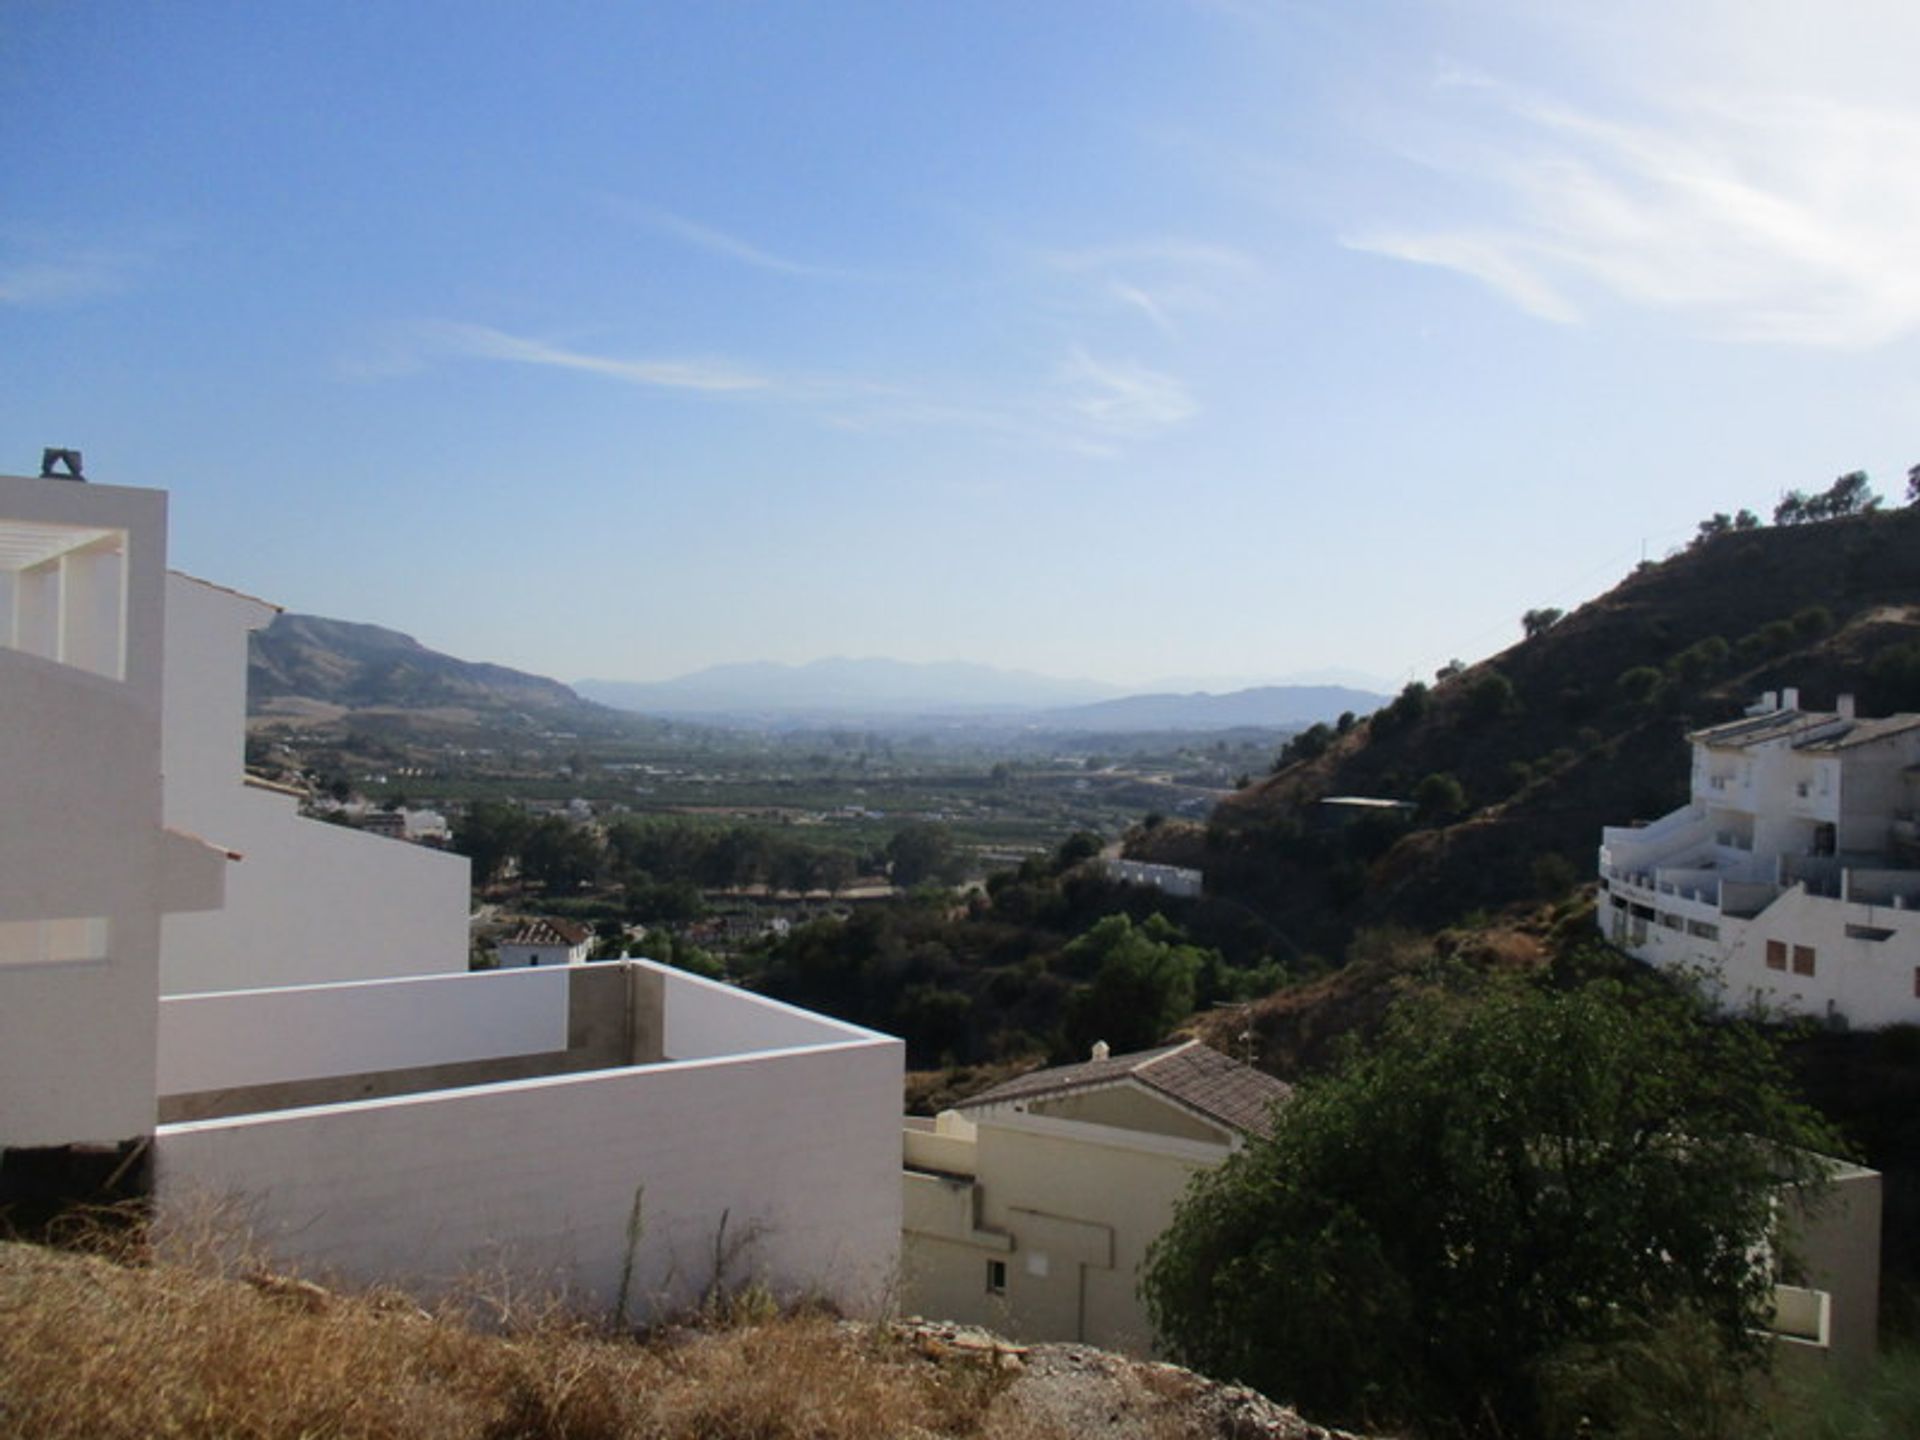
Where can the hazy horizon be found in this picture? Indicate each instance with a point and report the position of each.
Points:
(1204, 337)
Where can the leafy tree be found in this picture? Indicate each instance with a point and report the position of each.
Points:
(1143, 982)
(1719, 523)
(1500, 1181)
(1404, 710)
(559, 855)
(1308, 744)
(1538, 622)
(490, 834)
(1080, 846)
(1439, 796)
(1640, 684)
(1851, 494)
(1491, 696)
(918, 852)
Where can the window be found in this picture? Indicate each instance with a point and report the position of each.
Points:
(1776, 955)
(1868, 932)
(1703, 929)
(1803, 960)
(996, 1277)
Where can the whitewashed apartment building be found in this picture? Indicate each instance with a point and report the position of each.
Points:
(1791, 878)
(320, 1070)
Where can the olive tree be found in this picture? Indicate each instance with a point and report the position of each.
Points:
(1502, 1181)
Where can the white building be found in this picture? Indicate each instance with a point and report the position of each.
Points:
(610, 1131)
(545, 942)
(1168, 879)
(87, 868)
(306, 901)
(1792, 876)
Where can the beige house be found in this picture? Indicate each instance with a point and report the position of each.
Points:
(1030, 1208)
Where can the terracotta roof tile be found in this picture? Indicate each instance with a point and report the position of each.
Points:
(1190, 1073)
(548, 932)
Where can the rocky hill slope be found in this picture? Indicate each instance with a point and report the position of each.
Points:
(1517, 762)
(336, 662)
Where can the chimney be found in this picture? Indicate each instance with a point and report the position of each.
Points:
(60, 464)
(1790, 698)
(1101, 1050)
(1768, 702)
(1845, 706)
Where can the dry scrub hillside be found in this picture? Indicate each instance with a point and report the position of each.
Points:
(97, 1350)
(1578, 726)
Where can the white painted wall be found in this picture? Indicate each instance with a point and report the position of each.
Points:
(705, 1018)
(515, 956)
(302, 1032)
(80, 836)
(798, 1150)
(308, 902)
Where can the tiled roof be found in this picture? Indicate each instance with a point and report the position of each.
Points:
(548, 932)
(1190, 1073)
(1805, 730)
(1759, 729)
(1863, 732)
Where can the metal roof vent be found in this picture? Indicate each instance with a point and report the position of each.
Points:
(60, 465)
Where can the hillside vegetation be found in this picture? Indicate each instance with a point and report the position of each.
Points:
(1517, 762)
(97, 1350)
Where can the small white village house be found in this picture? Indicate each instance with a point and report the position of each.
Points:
(545, 942)
(1791, 878)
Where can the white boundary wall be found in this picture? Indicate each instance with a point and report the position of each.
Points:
(304, 1032)
(705, 1019)
(797, 1148)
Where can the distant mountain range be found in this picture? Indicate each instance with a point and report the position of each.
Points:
(302, 661)
(846, 687)
(897, 691)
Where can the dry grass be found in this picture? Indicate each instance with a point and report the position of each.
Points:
(97, 1347)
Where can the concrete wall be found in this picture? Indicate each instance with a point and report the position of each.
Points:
(308, 902)
(260, 1037)
(1068, 1209)
(798, 1151)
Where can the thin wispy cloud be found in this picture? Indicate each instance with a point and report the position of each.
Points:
(1089, 409)
(719, 242)
(1120, 399)
(1754, 217)
(485, 343)
(1135, 298)
(1159, 280)
(47, 277)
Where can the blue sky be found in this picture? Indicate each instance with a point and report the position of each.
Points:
(1118, 339)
